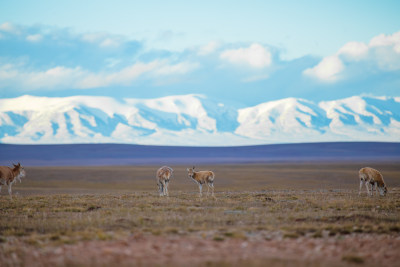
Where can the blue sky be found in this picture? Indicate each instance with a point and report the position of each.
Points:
(243, 51)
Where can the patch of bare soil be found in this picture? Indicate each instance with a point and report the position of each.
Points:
(145, 250)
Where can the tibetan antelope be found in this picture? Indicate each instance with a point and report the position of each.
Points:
(163, 175)
(202, 177)
(9, 176)
(372, 177)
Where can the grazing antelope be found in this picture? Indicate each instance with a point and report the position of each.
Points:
(202, 177)
(9, 176)
(372, 177)
(163, 175)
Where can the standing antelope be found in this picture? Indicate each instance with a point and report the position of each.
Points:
(9, 176)
(202, 177)
(163, 175)
(372, 177)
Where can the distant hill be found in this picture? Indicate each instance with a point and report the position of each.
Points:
(122, 154)
(195, 120)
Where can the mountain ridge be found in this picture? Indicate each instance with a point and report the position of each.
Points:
(195, 120)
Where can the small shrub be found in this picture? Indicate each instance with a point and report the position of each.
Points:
(218, 238)
(74, 209)
(344, 231)
(32, 242)
(55, 237)
(291, 235)
(353, 259)
(317, 234)
(91, 208)
(229, 234)
(103, 236)
(171, 230)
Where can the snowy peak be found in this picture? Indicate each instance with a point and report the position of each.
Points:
(363, 110)
(196, 120)
(283, 117)
(175, 112)
(84, 119)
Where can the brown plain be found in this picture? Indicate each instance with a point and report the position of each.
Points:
(248, 177)
(283, 214)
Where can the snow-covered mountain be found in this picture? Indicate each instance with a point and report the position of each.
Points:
(195, 120)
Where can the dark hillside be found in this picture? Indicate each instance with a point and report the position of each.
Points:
(122, 154)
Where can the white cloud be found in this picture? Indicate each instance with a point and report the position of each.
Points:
(54, 77)
(92, 37)
(7, 72)
(102, 39)
(9, 27)
(354, 50)
(122, 77)
(129, 74)
(28, 80)
(386, 51)
(386, 40)
(112, 62)
(327, 70)
(208, 48)
(77, 78)
(386, 59)
(108, 42)
(180, 68)
(255, 78)
(255, 56)
(383, 52)
(34, 38)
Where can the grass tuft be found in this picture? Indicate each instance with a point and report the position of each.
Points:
(353, 259)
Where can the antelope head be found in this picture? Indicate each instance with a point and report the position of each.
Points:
(21, 171)
(190, 172)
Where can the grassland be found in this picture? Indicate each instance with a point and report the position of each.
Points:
(277, 214)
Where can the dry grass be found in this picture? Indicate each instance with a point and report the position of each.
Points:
(62, 206)
(250, 177)
(71, 218)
